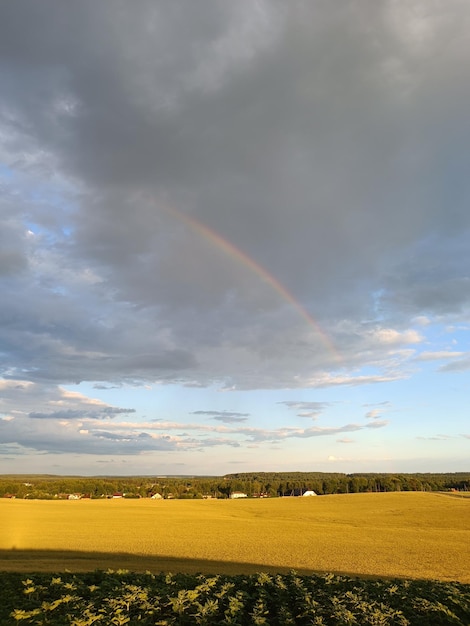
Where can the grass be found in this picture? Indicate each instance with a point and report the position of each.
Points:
(406, 535)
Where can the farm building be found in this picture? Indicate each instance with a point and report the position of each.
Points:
(156, 496)
(238, 494)
(309, 493)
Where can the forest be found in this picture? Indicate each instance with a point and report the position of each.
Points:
(253, 484)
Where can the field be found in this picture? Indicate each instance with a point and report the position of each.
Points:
(406, 535)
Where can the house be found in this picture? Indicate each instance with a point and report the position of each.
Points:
(238, 494)
(309, 493)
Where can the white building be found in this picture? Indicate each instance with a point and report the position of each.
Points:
(238, 494)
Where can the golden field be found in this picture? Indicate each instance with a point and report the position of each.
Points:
(413, 535)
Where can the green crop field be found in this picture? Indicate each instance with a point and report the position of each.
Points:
(409, 535)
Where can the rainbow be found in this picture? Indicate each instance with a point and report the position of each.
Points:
(228, 248)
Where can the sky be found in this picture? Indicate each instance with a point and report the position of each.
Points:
(234, 236)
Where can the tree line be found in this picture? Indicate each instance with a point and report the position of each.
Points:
(253, 484)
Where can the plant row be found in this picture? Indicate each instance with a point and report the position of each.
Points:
(121, 597)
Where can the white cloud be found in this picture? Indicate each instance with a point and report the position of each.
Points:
(377, 424)
(422, 320)
(439, 355)
(331, 380)
(390, 336)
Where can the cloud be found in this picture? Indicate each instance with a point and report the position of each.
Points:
(373, 414)
(307, 409)
(378, 424)
(20, 397)
(234, 196)
(97, 435)
(422, 320)
(462, 365)
(254, 434)
(439, 355)
(435, 438)
(98, 386)
(390, 336)
(101, 413)
(305, 406)
(67, 438)
(385, 403)
(330, 380)
(133, 300)
(227, 417)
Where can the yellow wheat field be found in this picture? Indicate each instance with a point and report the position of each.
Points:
(418, 535)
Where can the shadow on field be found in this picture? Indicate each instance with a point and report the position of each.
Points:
(29, 561)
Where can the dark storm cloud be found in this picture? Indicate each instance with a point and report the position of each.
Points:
(12, 262)
(324, 142)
